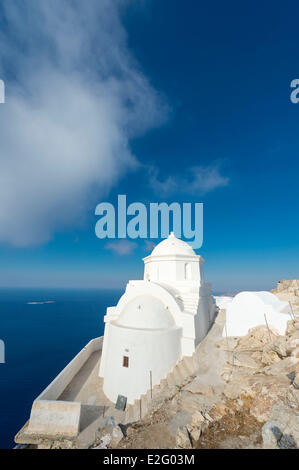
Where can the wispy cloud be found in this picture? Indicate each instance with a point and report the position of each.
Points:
(149, 245)
(198, 180)
(121, 247)
(74, 98)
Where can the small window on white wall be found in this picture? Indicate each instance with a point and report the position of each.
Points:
(125, 361)
(187, 271)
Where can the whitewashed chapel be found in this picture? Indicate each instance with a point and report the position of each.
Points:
(157, 321)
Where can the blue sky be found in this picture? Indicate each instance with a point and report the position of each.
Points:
(138, 98)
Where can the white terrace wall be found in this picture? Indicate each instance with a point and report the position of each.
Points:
(55, 389)
(52, 417)
(55, 418)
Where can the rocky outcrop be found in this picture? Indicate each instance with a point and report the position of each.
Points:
(288, 290)
(262, 375)
(109, 434)
(281, 431)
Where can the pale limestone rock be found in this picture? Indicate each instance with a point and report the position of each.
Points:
(296, 381)
(256, 338)
(104, 442)
(274, 350)
(109, 435)
(265, 393)
(269, 357)
(279, 346)
(196, 386)
(244, 359)
(295, 353)
(281, 431)
(292, 342)
(293, 397)
(197, 419)
(183, 438)
(208, 417)
(116, 436)
(229, 343)
(233, 373)
(191, 402)
(195, 434)
(293, 325)
(282, 367)
(218, 411)
(233, 390)
(259, 393)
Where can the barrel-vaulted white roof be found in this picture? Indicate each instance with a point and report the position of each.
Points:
(173, 246)
(250, 309)
(146, 312)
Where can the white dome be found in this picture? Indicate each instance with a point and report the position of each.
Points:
(173, 246)
(146, 312)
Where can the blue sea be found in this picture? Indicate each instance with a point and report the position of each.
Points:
(40, 339)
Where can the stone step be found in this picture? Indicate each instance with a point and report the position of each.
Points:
(177, 376)
(183, 370)
(137, 410)
(144, 406)
(189, 364)
(196, 361)
(156, 390)
(131, 414)
(170, 380)
(163, 383)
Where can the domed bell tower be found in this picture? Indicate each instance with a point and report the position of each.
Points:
(174, 261)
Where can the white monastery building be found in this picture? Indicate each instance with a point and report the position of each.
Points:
(157, 321)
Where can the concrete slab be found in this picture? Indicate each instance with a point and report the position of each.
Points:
(55, 418)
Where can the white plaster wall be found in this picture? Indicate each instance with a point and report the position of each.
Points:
(104, 350)
(55, 418)
(171, 269)
(188, 346)
(52, 417)
(202, 319)
(56, 387)
(135, 288)
(148, 350)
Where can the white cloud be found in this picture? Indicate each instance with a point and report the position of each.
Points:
(121, 247)
(198, 180)
(74, 98)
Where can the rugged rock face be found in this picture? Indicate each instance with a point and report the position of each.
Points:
(267, 380)
(250, 400)
(281, 431)
(108, 435)
(288, 290)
